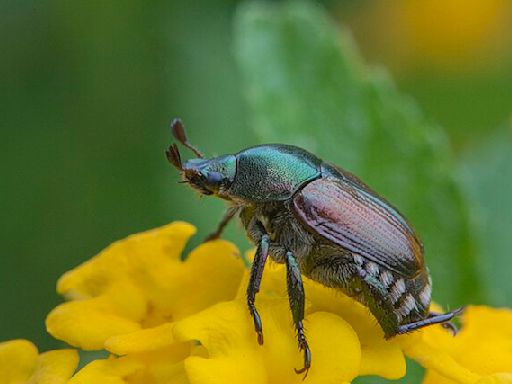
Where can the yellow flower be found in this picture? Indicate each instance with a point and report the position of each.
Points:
(165, 320)
(449, 35)
(21, 363)
(140, 282)
(481, 352)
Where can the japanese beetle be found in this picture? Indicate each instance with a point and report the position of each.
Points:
(323, 223)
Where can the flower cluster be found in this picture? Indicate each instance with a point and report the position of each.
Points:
(165, 320)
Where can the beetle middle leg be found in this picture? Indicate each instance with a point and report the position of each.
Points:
(254, 283)
(296, 297)
(228, 215)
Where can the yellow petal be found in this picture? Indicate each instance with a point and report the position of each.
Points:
(88, 323)
(383, 359)
(335, 348)
(279, 351)
(18, 359)
(169, 373)
(55, 367)
(152, 262)
(169, 355)
(486, 332)
(226, 331)
(136, 256)
(483, 346)
(432, 377)
(160, 374)
(431, 357)
(108, 371)
(162, 366)
(211, 273)
(497, 378)
(157, 367)
(141, 341)
(379, 356)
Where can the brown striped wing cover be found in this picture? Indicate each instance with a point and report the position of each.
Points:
(361, 222)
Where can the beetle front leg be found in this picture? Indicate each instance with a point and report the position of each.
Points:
(296, 297)
(254, 283)
(228, 215)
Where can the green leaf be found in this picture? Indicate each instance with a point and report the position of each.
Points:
(306, 85)
(486, 174)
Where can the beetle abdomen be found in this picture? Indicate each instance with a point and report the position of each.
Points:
(392, 298)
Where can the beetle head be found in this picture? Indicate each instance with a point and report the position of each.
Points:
(208, 176)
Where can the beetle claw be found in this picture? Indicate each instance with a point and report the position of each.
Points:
(452, 328)
(447, 324)
(301, 371)
(303, 346)
(260, 338)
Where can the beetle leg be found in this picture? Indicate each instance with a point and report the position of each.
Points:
(254, 283)
(296, 297)
(434, 318)
(447, 325)
(228, 215)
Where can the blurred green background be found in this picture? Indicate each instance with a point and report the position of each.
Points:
(88, 90)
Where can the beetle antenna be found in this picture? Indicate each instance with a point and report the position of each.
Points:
(178, 131)
(174, 157)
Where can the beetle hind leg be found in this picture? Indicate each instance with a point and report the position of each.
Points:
(448, 325)
(296, 297)
(433, 318)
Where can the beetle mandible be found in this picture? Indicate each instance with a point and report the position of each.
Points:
(321, 222)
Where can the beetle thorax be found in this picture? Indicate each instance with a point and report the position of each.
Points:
(272, 173)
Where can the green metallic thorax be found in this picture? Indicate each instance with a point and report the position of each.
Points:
(272, 172)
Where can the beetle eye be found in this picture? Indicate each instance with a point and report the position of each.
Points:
(214, 177)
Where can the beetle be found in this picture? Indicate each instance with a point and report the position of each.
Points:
(321, 222)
